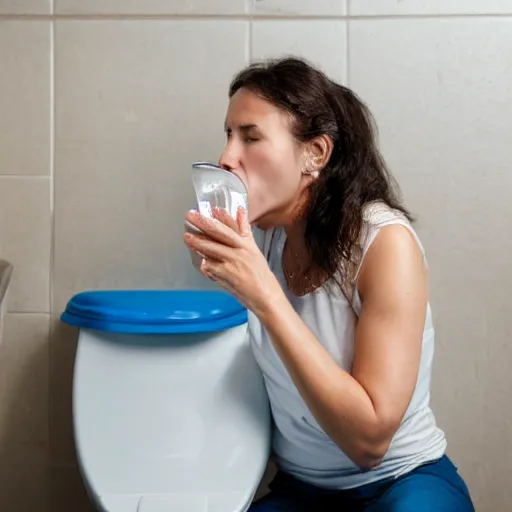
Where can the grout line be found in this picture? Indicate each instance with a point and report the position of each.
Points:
(52, 160)
(457, 16)
(250, 39)
(25, 176)
(14, 312)
(49, 399)
(242, 17)
(427, 16)
(347, 54)
(250, 7)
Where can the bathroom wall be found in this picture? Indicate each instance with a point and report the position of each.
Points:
(104, 104)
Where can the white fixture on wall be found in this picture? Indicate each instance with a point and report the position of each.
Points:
(170, 410)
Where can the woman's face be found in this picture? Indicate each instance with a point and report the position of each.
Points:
(264, 154)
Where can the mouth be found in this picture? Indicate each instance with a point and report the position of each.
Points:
(213, 166)
(242, 178)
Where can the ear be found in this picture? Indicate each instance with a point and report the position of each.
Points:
(318, 153)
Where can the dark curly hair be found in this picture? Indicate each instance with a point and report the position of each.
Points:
(355, 174)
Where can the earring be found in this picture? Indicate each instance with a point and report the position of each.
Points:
(313, 174)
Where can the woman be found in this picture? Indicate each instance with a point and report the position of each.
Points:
(339, 316)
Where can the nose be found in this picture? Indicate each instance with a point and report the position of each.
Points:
(230, 159)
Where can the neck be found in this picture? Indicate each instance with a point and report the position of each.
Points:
(296, 241)
(294, 230)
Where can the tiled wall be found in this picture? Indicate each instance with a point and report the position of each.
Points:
(104, 104)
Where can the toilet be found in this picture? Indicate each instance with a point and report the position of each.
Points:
(170, 410)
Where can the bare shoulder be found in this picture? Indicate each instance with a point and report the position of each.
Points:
(394, 262)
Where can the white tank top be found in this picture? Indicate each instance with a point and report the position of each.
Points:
(300, 445)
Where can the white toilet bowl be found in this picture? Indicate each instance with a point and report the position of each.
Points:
(170, 410)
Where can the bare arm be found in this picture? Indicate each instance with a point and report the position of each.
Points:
(361, 411)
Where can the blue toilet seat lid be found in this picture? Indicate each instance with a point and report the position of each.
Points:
(154, 311)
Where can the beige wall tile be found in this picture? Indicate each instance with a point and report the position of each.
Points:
(24, 488)
(277, 38)
(67, 491)
(150, 6)
(25, 240)
(24, 390)
(133, 112)
(62, 358)
(299, 7)
(25, 101)
(394, 7)
(442, 102)
(25, 7)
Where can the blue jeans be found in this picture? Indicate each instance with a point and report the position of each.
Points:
(432, 487)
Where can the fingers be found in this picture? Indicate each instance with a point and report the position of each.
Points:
(225, 218)
(206, 269)
(216, 228)
(210, 268)
(244, 226)
(207, 247)
(213, 270)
